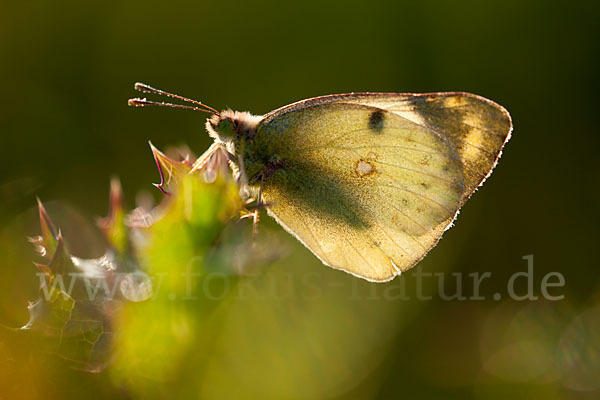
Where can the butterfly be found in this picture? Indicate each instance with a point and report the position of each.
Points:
(368, 182)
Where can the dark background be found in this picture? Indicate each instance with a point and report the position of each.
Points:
(68, 68)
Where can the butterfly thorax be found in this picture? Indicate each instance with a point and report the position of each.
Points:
(236, 132)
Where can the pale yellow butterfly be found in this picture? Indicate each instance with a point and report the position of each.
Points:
(368, 182)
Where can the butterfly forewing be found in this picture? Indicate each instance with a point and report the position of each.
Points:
(476, 127)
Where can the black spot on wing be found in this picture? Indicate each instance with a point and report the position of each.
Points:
(376, 121)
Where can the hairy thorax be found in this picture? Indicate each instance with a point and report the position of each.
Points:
(236, 131)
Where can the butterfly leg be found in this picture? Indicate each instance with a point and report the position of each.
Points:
(259, 204)
(255, 213)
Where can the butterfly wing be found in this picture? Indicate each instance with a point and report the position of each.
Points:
(369, 182)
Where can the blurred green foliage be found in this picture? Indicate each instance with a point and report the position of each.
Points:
(293, 328)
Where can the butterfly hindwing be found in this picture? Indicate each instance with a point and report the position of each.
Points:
(367, 190)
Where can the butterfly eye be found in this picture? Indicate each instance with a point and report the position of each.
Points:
(227, 127)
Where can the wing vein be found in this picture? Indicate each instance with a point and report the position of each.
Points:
(360, 254)
(480, 148)
(316, 241)
(415, 170)
(418, 195)
(396, 243)
(384, 147)
(366, 130)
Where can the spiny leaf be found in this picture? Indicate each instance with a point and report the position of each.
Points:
(71, 317)
(168, 169)
(61, 263)
(45, 243)
(79, 298)
(50, 313)
(214, 162)
(113, 225)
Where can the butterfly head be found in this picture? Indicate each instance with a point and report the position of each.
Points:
(228, 126)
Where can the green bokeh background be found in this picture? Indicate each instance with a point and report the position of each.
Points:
(68, 67)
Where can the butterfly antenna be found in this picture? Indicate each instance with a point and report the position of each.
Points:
(137, 102)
